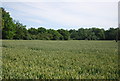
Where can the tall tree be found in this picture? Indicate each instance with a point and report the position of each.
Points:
(64, 33)
(33, 31)
(74, 34)
(42, 30)
(111, 34)
(21, 31)
(8, 26)
(100, 33)
(55, 34)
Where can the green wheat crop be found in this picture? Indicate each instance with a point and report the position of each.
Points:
(73, 59)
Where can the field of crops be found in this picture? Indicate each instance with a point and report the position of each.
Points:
(73, 59)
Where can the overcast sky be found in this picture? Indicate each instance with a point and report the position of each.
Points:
(66, 15)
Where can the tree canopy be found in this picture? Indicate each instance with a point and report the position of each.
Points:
(12, 29)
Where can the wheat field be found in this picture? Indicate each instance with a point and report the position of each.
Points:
(72, 59)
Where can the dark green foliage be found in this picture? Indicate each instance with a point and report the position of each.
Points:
(12, 29)
(55, 34)
(99, 33)
(74, 34)
(111, 34)
(41, 30)
(8, 26)
(64, 33)
(21, 31)
(44, 36)
(33, 31)
(118, 34)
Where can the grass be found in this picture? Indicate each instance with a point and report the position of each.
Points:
(38, 59)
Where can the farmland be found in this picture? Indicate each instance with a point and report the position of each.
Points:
(72, 59)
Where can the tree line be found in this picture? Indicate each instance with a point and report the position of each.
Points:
(12, 29)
